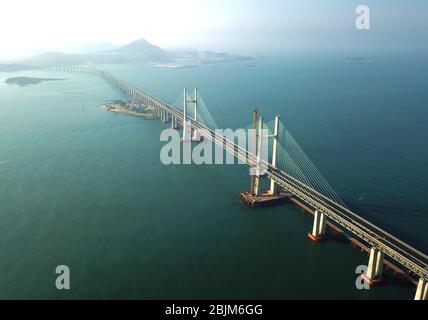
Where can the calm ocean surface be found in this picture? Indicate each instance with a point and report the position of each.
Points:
(84, 187)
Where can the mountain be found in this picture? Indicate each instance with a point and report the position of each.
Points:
(139, 51)
(142, 50)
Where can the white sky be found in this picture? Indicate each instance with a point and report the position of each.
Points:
(41, 24)
(256, 26)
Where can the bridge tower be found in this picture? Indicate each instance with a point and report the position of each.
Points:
(195, 103)
(254, 145)
(195, 117)
(273, 186)
(259, 158)
(187, 131)
(259, 144)
(185, 124)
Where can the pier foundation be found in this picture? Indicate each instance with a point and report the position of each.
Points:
(264, 199)
(318, 230)
(375, 267)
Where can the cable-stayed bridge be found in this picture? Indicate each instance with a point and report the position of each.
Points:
(291, 175)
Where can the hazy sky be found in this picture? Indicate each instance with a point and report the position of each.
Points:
(256, 26)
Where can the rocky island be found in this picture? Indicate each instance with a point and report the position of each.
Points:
(130, 107)
(23, 81)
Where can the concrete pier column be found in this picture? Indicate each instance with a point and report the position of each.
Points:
(318, 230)
(375, 267)
(422, 290)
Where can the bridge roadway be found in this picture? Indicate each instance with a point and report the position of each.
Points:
(391, 246)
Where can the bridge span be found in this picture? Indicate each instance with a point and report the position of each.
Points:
(327, 211)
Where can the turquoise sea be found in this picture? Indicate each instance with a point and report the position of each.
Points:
(85, 188)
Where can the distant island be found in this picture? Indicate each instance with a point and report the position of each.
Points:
(23, 81)
(355, 58)
(137, 52)
(130, 107)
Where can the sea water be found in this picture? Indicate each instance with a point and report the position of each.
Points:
(85, 188)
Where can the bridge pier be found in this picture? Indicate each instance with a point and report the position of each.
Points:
(318, 230)
(422, 290)
(375, 267)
